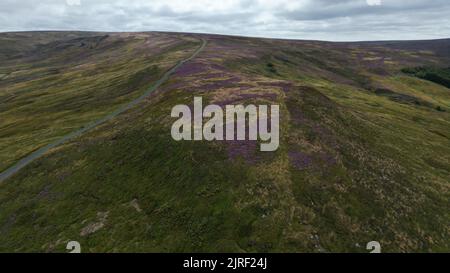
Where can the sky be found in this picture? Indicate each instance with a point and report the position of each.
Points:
(331, 20)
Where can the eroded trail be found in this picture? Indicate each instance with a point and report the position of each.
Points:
(40, 152)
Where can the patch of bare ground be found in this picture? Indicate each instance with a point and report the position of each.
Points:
(92, 228)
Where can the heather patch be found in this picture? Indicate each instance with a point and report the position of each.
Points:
(247, 97)
(304, 161)
(284, 86)
(301, 161)
(218, 84)
(190, 69)
(326, 136)
(246, 150)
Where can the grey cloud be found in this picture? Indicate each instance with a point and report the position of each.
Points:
(301, 19)
(323, 9)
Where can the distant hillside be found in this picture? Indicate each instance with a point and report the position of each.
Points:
(364, 152)
(15, 44)
(440, 47)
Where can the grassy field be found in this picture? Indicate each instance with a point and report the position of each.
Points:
(364, 155)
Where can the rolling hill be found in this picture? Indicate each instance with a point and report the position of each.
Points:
(364, 151)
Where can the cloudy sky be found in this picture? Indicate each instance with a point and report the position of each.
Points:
(335, 20)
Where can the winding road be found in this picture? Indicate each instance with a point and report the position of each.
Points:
(38, 153)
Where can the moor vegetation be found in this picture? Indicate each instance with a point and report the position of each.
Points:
(364, 151)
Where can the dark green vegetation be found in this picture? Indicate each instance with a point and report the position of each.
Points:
(438, 75)
(364, 151)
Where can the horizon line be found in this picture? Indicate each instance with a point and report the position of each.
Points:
(229, 35)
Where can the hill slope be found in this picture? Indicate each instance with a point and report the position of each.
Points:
(364, 150)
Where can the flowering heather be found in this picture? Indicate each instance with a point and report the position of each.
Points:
(325, 135)
(285, 86)
(247, 96)
(218, 67)
(269, 96)
(216, 75)
(297, 116)
(301, 161)
(231, 82)
(246, 150)
(190, 69)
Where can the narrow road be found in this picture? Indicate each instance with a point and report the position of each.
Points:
(38, 153)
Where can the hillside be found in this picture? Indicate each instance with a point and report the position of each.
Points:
(364, 151)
